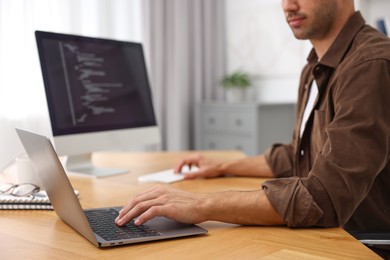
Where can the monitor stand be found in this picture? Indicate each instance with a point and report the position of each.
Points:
(83, 164)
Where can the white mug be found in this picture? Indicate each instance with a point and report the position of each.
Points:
(26, 172)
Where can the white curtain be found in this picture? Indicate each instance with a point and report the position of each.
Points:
(185, 46)
(22, 98)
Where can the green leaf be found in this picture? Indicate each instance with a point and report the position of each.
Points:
(237, 79)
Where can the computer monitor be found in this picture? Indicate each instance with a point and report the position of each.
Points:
(98, 97)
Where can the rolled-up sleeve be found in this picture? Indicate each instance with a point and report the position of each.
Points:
(280, 159)
(291, 196)
(293, 202)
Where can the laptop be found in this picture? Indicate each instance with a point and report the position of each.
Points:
(96, 225)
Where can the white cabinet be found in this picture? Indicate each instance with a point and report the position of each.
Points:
(249, 127)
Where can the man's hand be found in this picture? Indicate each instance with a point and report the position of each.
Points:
(253, 166)
(208, 168)
(239, 207)
(162, 201)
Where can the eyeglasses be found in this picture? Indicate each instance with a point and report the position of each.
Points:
(19, 190)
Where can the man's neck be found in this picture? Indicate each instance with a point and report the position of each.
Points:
(322, 45)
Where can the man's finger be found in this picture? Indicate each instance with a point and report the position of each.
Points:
(150, 194)
(152, 212)
(137, 210)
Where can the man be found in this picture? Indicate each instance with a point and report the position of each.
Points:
(336, 170)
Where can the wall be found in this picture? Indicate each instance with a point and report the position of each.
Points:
(373, 9)
(260, 42)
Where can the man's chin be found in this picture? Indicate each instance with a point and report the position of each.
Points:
(300, 35)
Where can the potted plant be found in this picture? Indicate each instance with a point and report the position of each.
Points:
(236, 84)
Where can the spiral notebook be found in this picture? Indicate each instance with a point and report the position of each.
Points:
(40, 200)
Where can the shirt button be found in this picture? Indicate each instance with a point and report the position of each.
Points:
(302, 152)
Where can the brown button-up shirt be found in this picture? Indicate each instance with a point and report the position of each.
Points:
(338, 172)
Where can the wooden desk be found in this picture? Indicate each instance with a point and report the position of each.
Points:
(41, 235)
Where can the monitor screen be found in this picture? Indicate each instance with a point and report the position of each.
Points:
(96, 90)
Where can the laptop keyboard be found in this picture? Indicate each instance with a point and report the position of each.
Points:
(102, 222)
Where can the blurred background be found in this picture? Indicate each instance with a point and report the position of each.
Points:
(189, 46)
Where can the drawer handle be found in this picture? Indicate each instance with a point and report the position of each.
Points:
(239, 147)
(238, 122)
(212, 145)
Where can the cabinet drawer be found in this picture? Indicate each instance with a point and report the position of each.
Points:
(213, 120)
(213, 142)
(228, 142)
(228, 121)
(241, 123)
(244, 144)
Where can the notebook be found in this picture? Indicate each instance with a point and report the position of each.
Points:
(66, 205)
(40, 200)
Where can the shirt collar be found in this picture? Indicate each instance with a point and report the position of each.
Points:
(340, 46)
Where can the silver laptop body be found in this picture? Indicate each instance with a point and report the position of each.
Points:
(67, 206)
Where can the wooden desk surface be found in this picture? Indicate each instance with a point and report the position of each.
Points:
(41, 235)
